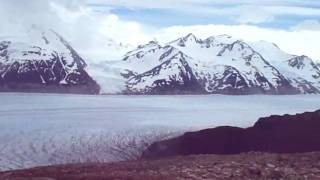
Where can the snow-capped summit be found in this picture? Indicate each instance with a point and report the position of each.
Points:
(42, 61)
(142, 49)
(219, 40)
(184, 41)
(161, 70)
(218, 64)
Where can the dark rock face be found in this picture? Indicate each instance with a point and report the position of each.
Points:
(275, 134)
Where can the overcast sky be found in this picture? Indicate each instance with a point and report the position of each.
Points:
(88, 24)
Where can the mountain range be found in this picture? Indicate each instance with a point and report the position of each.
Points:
(218, 65)
(43, 61)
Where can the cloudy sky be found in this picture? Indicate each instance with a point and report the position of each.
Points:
(90, 25)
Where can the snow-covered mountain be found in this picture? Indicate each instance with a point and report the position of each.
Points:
(42, 61)
(218, 64)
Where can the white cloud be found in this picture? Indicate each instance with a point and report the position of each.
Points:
(252, 14)
(91, 33)
(245, 11)
(181, 4)
(124, 31)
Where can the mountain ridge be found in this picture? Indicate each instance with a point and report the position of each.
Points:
(257, 72)
(46, 62)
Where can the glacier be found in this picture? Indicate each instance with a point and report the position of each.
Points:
(34, 128)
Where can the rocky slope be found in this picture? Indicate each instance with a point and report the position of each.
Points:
(275, 134)
(242, 166)
(217, 65)
(42, 61)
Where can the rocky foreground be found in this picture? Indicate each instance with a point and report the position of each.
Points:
(241, 166)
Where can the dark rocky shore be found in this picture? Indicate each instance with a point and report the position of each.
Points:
(241, 166)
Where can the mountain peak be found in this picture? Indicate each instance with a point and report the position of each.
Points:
(190, 36)
(43, 61)
(220, 39)
(155, 43)
(142, 49)
(149, 44)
